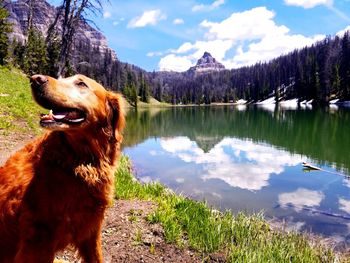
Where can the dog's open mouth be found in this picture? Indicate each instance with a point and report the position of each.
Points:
(62, 116)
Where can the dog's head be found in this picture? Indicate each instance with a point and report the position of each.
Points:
(77, 103)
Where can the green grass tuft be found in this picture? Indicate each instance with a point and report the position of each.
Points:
(129, 188)
(240, 237)
(18, 111)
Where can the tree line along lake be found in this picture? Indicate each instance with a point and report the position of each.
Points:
(251, 159)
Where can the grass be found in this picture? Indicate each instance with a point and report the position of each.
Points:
(240, 238)
(153, 103)
(18, 111)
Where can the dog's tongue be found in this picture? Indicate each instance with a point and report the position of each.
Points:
(70, 116)
(60, 115)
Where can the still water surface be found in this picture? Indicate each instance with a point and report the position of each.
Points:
(250, 160)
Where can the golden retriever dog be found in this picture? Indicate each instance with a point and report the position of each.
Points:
(54, 192)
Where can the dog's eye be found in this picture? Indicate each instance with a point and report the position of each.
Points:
(81, 84)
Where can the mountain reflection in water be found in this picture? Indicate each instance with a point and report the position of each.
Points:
(250, 160)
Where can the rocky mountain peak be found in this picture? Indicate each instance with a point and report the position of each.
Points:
(207, 64)
(206, 58)
(43, 15)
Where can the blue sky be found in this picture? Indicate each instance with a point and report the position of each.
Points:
(172, 35)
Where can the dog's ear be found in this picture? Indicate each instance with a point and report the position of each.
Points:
(116, 115)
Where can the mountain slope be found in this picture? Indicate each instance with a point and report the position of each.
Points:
(43, 16)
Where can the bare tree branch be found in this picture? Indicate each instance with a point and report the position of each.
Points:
(74, 13)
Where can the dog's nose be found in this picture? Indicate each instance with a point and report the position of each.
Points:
(38, 80)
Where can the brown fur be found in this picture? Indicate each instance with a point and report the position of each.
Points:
(55, 190)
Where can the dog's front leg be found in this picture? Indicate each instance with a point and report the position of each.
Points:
(90, 249)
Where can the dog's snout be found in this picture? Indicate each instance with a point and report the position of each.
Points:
(38, 80)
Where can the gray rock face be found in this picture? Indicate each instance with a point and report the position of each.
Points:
(207, 64)
(43, 15)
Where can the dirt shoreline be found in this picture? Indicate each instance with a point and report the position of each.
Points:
(128, 237)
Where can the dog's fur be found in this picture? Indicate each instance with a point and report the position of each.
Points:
(55, 190)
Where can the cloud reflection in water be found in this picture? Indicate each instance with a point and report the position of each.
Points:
(239, 163)
(301, 198)
(344, 205)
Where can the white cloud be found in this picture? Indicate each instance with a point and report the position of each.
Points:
(266, 40)
(313, 3)
(301, 198)
(344, 205)
(251, 36)
(178, 21)
(308, 3)
(184, 48)
(151, 17)
(218, 3)
(198, 7)
(154, 54)
(248, 25)
(269, 48)
(202, 7)
(253, 175)
(107, 14)
(174, 63)
(342, 32)
(217, 48)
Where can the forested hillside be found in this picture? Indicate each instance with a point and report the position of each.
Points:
(320, 72)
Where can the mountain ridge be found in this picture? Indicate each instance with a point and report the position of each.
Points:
(43, 16)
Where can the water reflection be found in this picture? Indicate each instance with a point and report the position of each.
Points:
(344, 205)
(317, 134)
(251, 161)
(239, 163)
(300, 199)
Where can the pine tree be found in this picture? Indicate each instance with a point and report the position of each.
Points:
(53, 51)
(133, 97)
(35, 60)
(5, 28)
(159, 91)
(144, 90)
(345, 66)
(335, 80)
(18, 50)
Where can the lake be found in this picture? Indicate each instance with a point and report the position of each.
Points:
(251, 159)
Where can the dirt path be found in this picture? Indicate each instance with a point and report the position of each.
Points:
(11, 141)
(128, 237)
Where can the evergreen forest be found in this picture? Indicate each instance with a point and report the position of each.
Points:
(320, 72)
